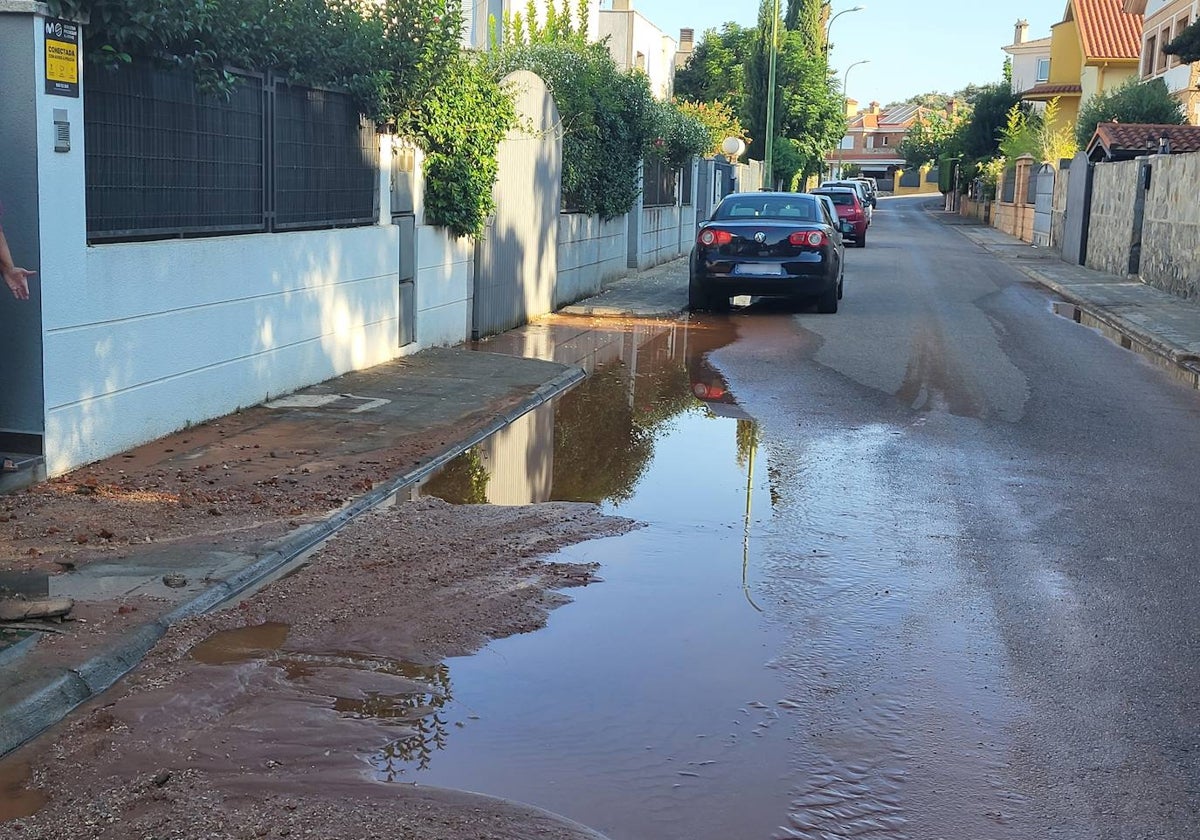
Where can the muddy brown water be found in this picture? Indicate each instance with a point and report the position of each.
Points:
(750, 665)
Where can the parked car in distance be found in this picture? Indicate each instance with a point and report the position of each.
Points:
(860, 188)
(768, 244)
(872, 190)
(850, 210)
(833, 213)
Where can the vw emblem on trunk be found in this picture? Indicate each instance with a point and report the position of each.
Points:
(760, 237)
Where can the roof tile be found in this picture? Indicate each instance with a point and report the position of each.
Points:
(1140, 137)
(1107, 30)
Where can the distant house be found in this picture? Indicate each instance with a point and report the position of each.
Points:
(1030, 59)
(1126, 141)
(1095, 47)
(1163, 20)
(637, 44)
(872, 139)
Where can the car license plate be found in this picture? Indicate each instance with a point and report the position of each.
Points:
(759, 269)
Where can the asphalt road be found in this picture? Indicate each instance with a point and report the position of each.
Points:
(985, 532)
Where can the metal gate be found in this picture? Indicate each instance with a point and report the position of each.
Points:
(516, 258)
(1079, 210)
(1043, 204)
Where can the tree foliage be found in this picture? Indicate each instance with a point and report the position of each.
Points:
(933, 136)
(716, 69)
(980, 138)
(1133, 102)
(1186, 45)
(718, 119)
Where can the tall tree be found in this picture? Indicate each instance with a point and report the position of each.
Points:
(754, 108)
(716, 70)
(981, 135)
(808, 18)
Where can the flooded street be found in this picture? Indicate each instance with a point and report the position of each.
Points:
(768, 658)
(923, 570)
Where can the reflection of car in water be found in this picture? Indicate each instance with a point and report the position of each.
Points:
(709, 386)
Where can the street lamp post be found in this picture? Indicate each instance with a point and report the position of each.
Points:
(769, 160)
(845, 80)
(829, 25)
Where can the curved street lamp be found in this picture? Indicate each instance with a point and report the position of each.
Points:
(845, 80)
(829, 25)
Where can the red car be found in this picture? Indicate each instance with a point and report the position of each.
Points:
(849, 209)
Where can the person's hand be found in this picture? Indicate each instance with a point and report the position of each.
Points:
(18, 281)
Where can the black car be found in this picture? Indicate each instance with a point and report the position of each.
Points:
(768, 244)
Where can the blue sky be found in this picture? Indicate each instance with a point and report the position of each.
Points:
(914, 46)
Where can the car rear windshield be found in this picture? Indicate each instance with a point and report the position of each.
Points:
(797, 208)
(840, 196)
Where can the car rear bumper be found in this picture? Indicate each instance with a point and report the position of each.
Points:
(719, 277)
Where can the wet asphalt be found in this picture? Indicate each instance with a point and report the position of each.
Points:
(966, 608)
(1022, 492)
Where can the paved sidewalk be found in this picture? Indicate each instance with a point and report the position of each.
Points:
(350, 443)
(1156, 324)
(659, 292)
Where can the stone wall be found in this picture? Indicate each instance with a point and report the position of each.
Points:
(1171, 233)
(1110, 232)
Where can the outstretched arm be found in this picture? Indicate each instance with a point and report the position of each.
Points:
(16, 278)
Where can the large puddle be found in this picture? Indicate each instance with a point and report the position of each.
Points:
(775, 655)
(651, 706)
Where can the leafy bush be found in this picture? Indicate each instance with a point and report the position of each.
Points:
(609, 119)
(460, 126)
(682, 136)
(1133, 102)
(718, 120)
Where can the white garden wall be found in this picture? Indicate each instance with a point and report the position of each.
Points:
(590, 251)
(156, 335)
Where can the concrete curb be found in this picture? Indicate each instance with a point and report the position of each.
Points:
(39, 711)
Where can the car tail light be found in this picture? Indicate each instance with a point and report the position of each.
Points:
(712, 236)
(812, 238)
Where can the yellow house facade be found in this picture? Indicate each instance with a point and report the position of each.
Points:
(1095, 47)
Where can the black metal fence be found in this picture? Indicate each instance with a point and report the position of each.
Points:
(1031, 185)
(685, 184)
(165, 159)
(659, 183)
(1008, 186)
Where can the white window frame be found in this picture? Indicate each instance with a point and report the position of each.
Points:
(1039, 76)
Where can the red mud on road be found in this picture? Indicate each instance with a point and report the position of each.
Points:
(266, 728)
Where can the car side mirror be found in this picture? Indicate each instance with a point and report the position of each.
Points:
(847, 227)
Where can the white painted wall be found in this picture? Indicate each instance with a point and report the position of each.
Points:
(590, 251)
(154, 336)
(445, 287)
(629, 34)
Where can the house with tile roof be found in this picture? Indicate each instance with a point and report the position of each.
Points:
(1163, 21)
(1030, 58)
(872, 138)
(1096, 47)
